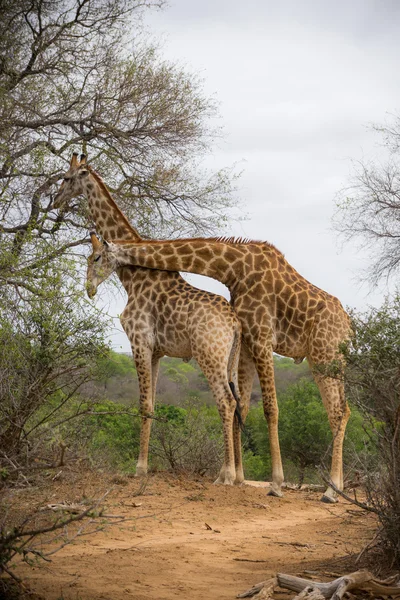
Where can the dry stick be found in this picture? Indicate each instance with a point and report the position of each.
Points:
(369, 545)
(297, 544)
(250, 560)
(31, 534)
(334, 590)
(348, 498)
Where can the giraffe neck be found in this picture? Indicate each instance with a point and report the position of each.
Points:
(136, 280)
(227, 261)
(109, 219)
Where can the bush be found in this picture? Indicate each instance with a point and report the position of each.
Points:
(188, 440)
(54, 340)
(373, 385)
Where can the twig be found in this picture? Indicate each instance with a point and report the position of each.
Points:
(369, 545)
(255, 560)
(347, 497)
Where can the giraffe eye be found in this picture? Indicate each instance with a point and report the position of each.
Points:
(97, 258)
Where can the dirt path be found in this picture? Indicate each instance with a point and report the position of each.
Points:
(167, 550)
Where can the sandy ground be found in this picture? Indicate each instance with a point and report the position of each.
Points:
(191, 539)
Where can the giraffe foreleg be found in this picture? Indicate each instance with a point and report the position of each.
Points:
(143, 361)
(332, 393)
(265, 369)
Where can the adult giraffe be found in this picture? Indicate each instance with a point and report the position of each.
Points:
(161, 317)
(280, 311)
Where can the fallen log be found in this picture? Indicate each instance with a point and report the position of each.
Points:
(359, 581)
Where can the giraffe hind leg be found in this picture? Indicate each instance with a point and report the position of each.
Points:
(216, 372)
(332, 393)
(246, 374)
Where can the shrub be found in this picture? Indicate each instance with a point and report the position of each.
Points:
(189, 440)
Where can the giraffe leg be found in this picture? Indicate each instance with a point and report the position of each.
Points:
(226, 404)
(246, 374)
(155, 367)
(265, 369)
(332, 393)
(143, 361)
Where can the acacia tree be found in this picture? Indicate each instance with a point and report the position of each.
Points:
(368, 210)
(77, 75)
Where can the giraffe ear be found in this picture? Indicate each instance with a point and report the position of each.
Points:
(106, 244)
(74, 161)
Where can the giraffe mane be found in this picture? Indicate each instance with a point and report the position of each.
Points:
(219, 239)
(242, 241)
(115, 206)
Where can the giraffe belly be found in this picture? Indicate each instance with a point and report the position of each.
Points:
(173, 343)
(296, 349)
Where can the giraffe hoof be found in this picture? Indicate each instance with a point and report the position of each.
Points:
(328, 499)
(140, 473)
(275, 492)
(224, 481)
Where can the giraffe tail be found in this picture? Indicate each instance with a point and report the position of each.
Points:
(232, 374)
(238, 412)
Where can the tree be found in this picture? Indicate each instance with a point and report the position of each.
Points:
(368, 210)
(78, 76)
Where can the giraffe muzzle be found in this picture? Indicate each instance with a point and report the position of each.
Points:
(91, 290)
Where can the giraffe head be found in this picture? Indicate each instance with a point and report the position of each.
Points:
(101, 264)
(74, 179)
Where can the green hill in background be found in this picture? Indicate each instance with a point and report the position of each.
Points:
(179, 380)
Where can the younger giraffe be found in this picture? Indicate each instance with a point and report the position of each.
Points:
(164, 315)
(280, 312)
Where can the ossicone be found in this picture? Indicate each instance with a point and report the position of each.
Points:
(74, 160)
(95, 241)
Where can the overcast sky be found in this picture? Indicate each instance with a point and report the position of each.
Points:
(298, 83)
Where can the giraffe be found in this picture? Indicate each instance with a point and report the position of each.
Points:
(280, 312)
(165, 316)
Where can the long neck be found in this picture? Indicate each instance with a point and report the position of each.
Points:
(216, 258)
(109, 219)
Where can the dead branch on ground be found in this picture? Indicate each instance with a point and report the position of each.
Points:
(359, 581)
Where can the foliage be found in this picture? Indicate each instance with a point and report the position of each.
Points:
(288, 373)
(304, 434)
(116, 364)
(189, 440)
(53, 340)
(373, 385)
(110, 436)
(304, 431)
(79, 76)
